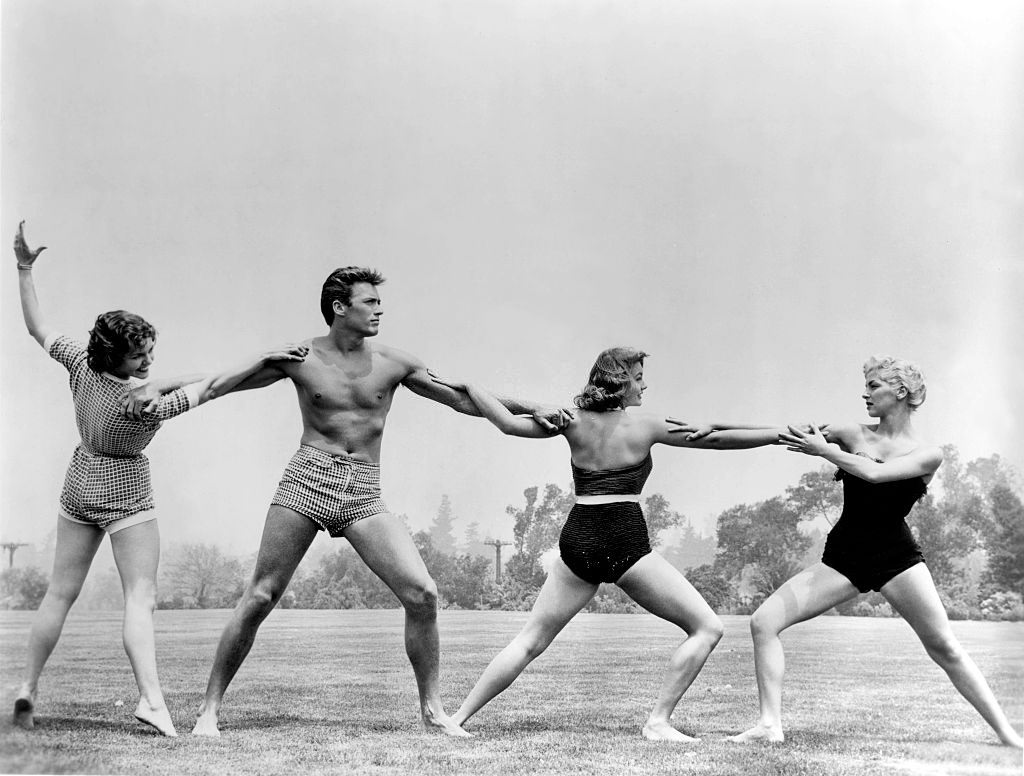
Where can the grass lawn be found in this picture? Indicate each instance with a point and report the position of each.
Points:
(332, 692)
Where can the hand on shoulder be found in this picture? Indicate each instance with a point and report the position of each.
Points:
(843, 434)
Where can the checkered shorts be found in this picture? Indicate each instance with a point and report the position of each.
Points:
(334, 491)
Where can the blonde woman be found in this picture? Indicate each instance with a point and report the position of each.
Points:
(885, 468)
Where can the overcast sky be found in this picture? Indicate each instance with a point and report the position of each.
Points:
(761, 195)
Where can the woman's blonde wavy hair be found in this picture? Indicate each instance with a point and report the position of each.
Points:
(899, 372)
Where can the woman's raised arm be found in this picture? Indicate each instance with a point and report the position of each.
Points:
(34, 321)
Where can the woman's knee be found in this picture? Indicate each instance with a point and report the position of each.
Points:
(532, 643)
(764, 623)
(944, 649)
(712, 629)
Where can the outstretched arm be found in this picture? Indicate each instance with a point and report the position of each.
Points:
(139, 402)
(921, 462)
(34, 321)
(143, 401)
(492, 408)
(668, 432)
(698, 431)
(214, 386)
(421, 382)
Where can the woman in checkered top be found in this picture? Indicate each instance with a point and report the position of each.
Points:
(107, 489)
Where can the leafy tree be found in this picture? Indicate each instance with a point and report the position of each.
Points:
(660, 517)
(535, 529)
(474, 542)
(442, 533)
(22, 587)
(712, 585)
(204, 574)
(817, 496)
(690, 548)
(765, 535)
(1005, 542)
(342, 581)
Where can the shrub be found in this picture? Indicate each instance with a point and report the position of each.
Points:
(1002, 605)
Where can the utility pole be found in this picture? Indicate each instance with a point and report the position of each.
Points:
(11, 547)
(497, 544)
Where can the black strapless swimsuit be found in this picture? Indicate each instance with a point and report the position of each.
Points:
(600, 542)
(871, 542)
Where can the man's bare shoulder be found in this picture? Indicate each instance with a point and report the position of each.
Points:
(400, 358)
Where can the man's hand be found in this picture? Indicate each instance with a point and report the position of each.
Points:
(694, 432)
(26, 256)
(553, 419)
(140, 402)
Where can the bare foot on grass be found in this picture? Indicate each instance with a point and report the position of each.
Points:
(443, 724)
(663, 731)
(759, 733)
(206, 725)
(158, 718)
(24, 713)
(1011, 738)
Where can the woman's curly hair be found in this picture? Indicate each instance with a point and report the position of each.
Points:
(898, 372)
(115, 335)
(609, 380)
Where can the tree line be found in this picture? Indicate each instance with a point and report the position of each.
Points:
(970, 524)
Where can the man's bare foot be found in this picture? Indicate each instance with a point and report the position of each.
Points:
(158, 718)
(444, 724)
(24, 713)
(663, 731)
(206, 724)
(759, 733)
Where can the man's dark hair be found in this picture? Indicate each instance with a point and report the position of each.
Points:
(338, 286)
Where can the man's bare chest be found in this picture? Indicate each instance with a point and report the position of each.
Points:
(329, 387)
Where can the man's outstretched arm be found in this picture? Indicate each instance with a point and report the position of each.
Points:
(139, 402)
(420, 382)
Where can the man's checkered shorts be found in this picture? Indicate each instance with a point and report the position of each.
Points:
(334, 491)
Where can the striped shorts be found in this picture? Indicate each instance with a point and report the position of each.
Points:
(332, 490)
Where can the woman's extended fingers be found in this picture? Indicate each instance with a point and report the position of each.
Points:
(24, 254)
(676, 425)
(454, 385)
(289, 353)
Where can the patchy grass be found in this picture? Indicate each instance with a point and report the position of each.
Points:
(332, 692)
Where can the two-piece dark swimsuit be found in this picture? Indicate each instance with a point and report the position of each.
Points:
(871, 542)
(600, 542)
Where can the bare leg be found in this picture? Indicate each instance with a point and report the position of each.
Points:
(658, 587)
(387, 549)
(561, 597)
(137, 555)
(808, 594)
(286, 537)
(76, 547)
(913, 595)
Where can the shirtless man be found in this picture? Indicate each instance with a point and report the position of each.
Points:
(345, 388)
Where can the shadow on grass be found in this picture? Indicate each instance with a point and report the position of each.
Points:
(48, 724)
(243, 723)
